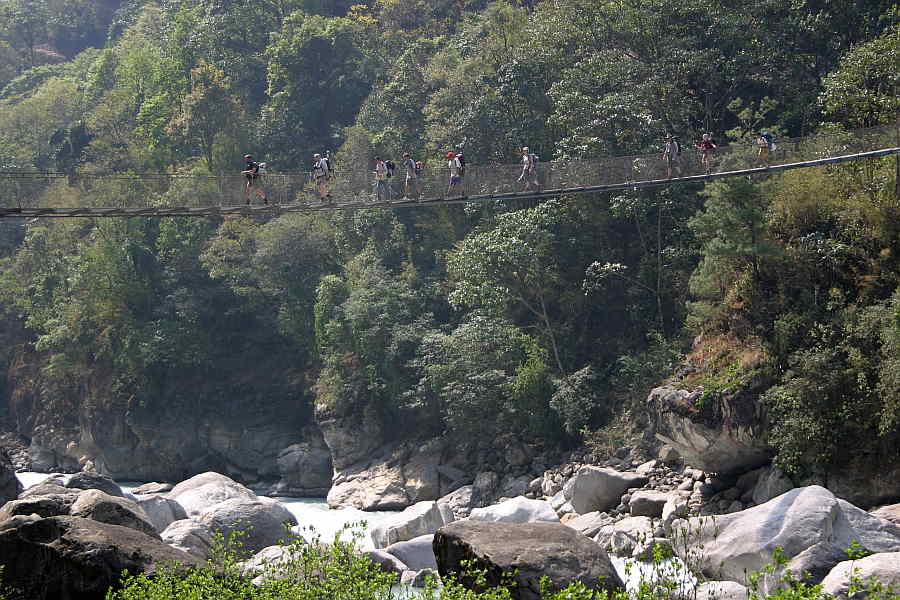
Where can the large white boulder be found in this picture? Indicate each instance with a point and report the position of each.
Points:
(417, 553)
(516, 510)
(161, 511)
(883, 568)
(191, 536)
(599, 488)
(745, 541)
(419, 519)
(203, 491)
(263, 522)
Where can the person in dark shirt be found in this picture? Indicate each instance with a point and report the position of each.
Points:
(251, 172)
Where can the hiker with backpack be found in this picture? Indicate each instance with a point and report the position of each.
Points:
(321, 173)
(411, 189)
(765, 145)
(455, 178)
(672, 156)
(705, 147)
(382, 188)
(529, 170)
(252, 171)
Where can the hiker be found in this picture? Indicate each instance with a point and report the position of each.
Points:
(411, 189)
(454, 166)
(382, 189)
(321, 173)
(671, 155)
(706, 147)
(252, 172)
(461, 159)
(529, 169)
(764, 146)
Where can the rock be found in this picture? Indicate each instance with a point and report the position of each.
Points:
(203, 491)
(771, 482)
(647, 503)
(152, 488)
(810, 566)
(717, 449)
(270, 564)
(888, 513)
(51, 505)
(675, 507)
(99, 506)
(721, 590)
(558, 501)
(416, 553)
(419, 519)
(551, 484)
(418, 579)
(589, 524)
(529, 550)
(748, 480)
(381, 488)
(517, 454)
(514, 486)
(305, 470)
(883, 567)
(485, 484)
(535, 485)
(645, 468)
(668, 454)
(161, 511)
(645, 549)
(94, 481)
(460, 501)
(264, 522)
(866, 480)
(10, 486)
(189, 536)
(622, 536)
(49, 488)
(745, 541)
(422, 479)
(599, 488)
(387, 561)
(78, 558)
(516, 510)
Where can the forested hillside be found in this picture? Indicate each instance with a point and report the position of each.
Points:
(546, 323)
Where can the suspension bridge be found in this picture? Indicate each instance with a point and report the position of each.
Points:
(176, 195)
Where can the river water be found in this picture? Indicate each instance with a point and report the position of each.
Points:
(315, 518)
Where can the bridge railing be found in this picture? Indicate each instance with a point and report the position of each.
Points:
(124, 190)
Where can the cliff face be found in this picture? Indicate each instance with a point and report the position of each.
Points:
(254, 424)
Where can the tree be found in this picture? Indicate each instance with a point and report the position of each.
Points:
(208, 111)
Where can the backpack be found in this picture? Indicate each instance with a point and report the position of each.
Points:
(262, 168)
(389, 165)
(533, 161)
(419, 166)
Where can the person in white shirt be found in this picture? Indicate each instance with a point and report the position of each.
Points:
(321, 174)
(455, 179)
(412, 177)
(671, 155)
(529, 170)
(382, 190)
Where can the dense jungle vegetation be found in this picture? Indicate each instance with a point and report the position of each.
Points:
(546, 320)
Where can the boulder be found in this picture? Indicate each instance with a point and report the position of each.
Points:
(203, 491)
(883, 567)
(100, 506)
(460, 501)
(10, 486)
(511, 486)
(890, 513)
(271, 563)
(528, 551)
(86, 480)
(49, 488)
(735, 448)
(152, 488)
(418, 579)
(305, 470)
(161, 511)
(622, 537)
(516, 510)
(810, 566)
(599, 488)
(745, 541)
(416, 554)
(51, 505)
(263, 523)
(770, 483)
(647, 503)
(189, 536)
(71, 557)
(419, 519)
(387, 561)
(721, 590)
(382, 487)
(589, 524)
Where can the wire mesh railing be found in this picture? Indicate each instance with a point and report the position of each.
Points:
(22, 189)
